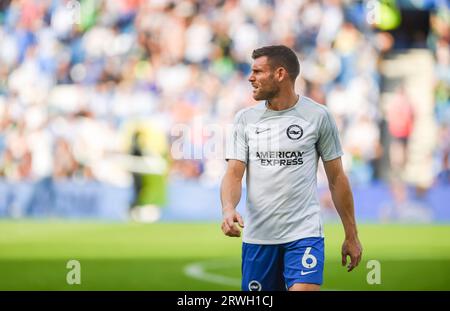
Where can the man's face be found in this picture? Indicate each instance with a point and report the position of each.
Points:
(262, 79)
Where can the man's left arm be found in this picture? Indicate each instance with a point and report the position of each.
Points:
(343, 201)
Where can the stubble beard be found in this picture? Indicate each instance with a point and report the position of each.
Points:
(267, 94)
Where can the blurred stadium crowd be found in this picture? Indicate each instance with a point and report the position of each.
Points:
(78, 80)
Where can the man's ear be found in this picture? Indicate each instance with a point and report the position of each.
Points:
(281, 74)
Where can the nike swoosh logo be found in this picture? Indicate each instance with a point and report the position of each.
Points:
(262, 131)
(307, 272)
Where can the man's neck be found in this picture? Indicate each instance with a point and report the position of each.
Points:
(283, 101)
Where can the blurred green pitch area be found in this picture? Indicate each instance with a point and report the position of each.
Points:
(196, 256)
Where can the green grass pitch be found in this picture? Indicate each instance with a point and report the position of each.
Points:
(196, 256)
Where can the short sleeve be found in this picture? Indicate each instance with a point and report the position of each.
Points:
(236, 146)
(328, 144)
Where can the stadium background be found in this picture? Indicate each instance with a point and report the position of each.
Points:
(91, 93)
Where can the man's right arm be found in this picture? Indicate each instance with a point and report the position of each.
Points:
(230, 194)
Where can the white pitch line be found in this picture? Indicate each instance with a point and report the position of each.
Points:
(198, 271)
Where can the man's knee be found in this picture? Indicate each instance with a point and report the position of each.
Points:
(304, 287)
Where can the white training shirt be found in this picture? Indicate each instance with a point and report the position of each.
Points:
(281, 151)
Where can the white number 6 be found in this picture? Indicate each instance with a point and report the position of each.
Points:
(309, 256)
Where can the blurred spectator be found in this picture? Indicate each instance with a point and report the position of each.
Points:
(147, 144)
(65, 165)
(400, 118)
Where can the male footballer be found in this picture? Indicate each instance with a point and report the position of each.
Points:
(278, 143)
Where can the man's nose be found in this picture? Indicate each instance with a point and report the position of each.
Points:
(251, 78)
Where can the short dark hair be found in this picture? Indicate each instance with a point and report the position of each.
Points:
(280, 56)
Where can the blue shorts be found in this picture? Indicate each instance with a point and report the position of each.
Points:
(278, 267)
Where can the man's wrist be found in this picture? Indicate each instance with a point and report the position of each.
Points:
(351, 234)
(227, 209)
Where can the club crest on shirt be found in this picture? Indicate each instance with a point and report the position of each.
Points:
(294, 132)
(254, 286)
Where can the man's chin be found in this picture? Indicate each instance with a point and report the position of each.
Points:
(258, 97)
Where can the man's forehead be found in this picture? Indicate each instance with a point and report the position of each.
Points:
(261, 63)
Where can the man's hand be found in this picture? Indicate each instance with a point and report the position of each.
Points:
(351, 247)
(228, 224)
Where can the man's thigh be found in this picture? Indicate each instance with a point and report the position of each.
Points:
(304, 263)
(304, 287)
(262, 268)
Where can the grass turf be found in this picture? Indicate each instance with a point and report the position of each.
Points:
(33, 256)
